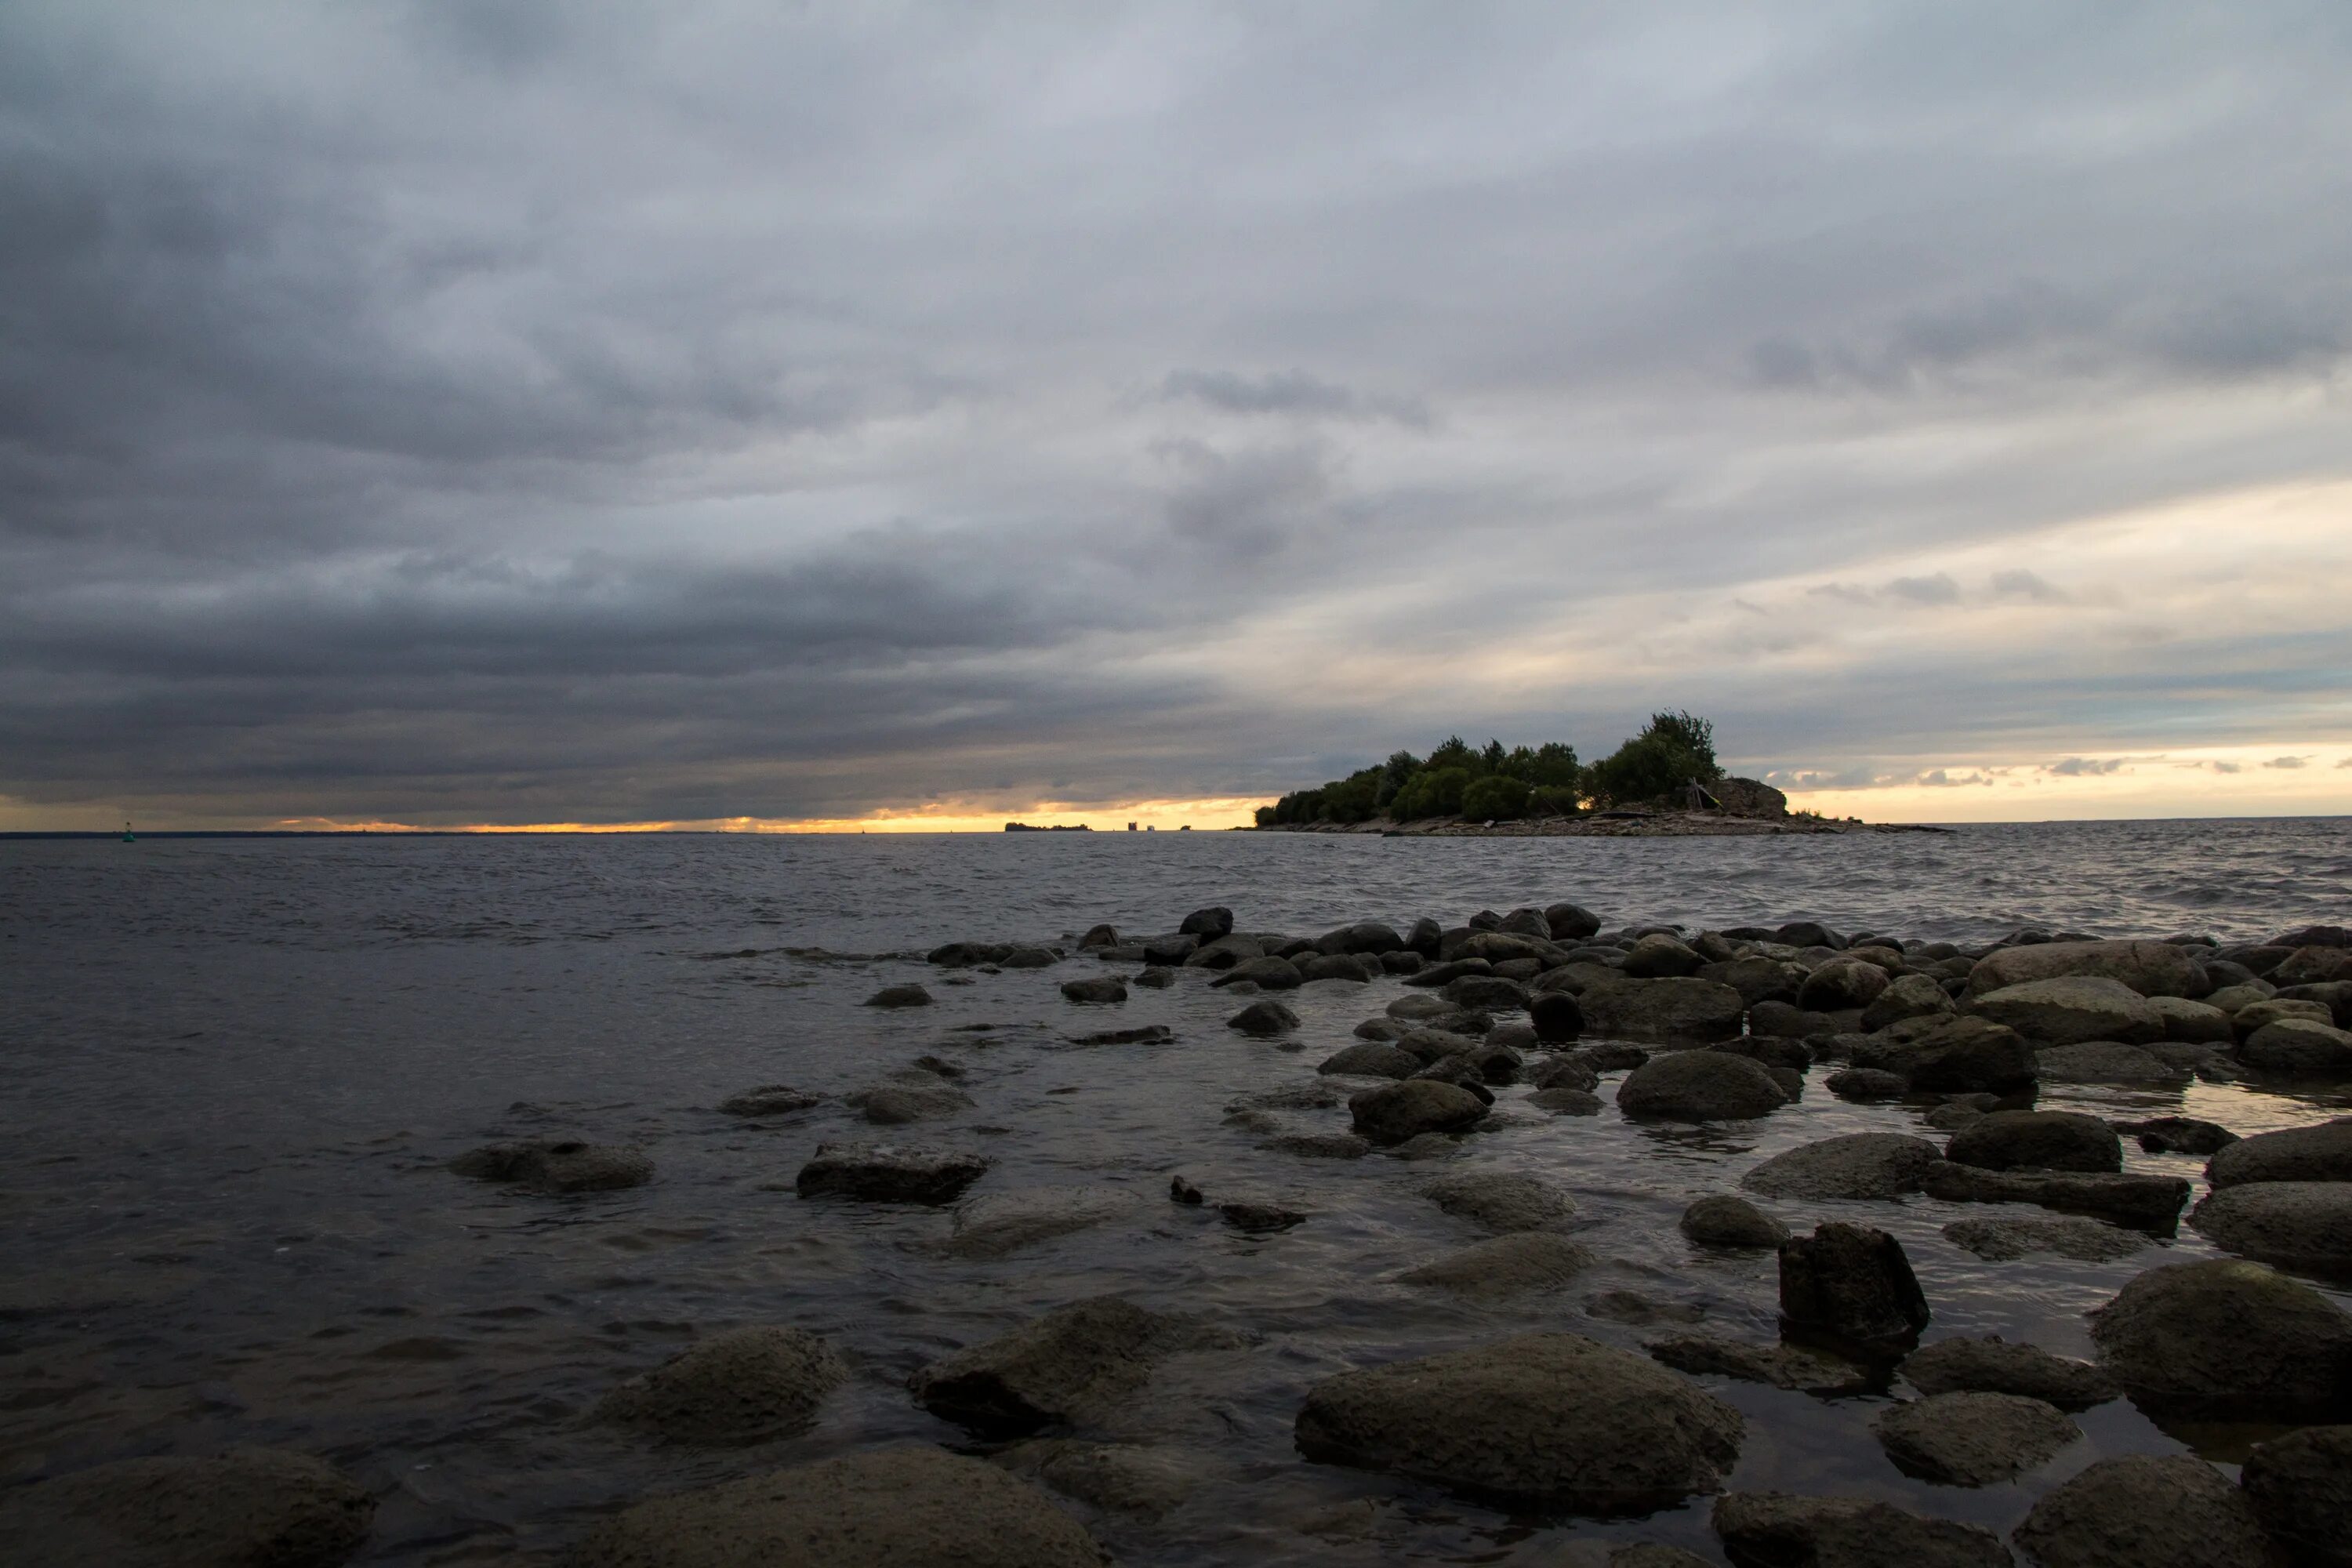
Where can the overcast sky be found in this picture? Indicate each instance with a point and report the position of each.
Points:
(527, 412)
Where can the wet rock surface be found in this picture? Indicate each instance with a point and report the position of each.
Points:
(2152, 1203)
(995, 1224)
(1395, 1113)
(1067, 1365)
(2150, 1512)
(1787, 1366)
(2301, 1489)
(2084, 1240)
(246, 1508)
(1519, 1264)
(2037, 1140)
(1992, 1365)
(1850, 1283)
(1726, 1221)
(1973, 1439)
(2295, 1224)
(1859, 1165)
(889, 1172)
(557, 1166)
(2321, 1153)
(1767, 1530)
(1503, 1201)
(770, 1100)
(1700, 1086)
(744, 1385)
(2227, 1338)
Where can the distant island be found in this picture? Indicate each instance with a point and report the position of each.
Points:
(1664, 782)
(1057, 827)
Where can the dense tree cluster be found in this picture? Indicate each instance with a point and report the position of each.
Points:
(1490, 783)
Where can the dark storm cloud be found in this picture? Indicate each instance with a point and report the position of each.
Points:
(544, 409)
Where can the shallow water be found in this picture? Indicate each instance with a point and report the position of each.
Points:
(236, 1068)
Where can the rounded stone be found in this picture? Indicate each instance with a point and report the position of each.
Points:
(1556, 1016)
(1972, 1439)
(1503, 1201)
(1700, 1086)
(1858, 1165)
(1993, 1365)
(741, 1386)
(1264, 1018)
(2148, 1512)
(1397, 1111)
(2321, 1153)
(1775, 1529)
(2037, 1140)
(2296, 1225)
(2227, 1337)
(246, 1508)
(2301, 1487)
(1371, 1059)
(1504, 1265)
(908, 996)
(1723, 1220)
(1557, 1419)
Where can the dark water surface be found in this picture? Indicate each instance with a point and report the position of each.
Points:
(235, 1069)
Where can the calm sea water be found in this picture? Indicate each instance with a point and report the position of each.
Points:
(235, 1069)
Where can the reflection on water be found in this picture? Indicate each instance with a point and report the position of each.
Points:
(237, 1069)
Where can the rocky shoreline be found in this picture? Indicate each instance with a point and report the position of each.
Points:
(1537, 1012)
(1610, 824)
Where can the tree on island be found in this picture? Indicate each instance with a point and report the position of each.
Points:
(1491, 782)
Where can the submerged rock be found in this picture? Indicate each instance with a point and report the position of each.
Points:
(2296, 1225)
(1972, 1438)
(1858, 1165)
(889, 1508)
(1102, 989)
(2174, 1511)
(1992, 1365)
(1700, 1086)
(2003, 1240)
(246, 1508)
(745, 1385)
(1513, 1265)
(995, 1224)
(770, 1100)
(1868, 1084)
(2037, 1140)
(1243, 1209)
(1071, 1361)
(1566, 1101)
(1395, 1113)
(1125, 1478)
(918, 1098)
(1791, 1367)
(1551, 1419)
(1503, 1201)
(2301, 1489)
(908, 996)
(1265, 1019)
(1725, 1220)
(2321, 1153)
(562, 1165)
(1371, 1059)
(1853, 1283)
(889, 1172)
(2226, 1337)
(1770, 1529)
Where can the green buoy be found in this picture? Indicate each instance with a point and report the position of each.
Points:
(128, 837)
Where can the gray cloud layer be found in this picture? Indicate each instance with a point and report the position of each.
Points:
(530, 410)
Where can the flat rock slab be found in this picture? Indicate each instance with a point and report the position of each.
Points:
(2150, 1512)
(2005, 1240)
(889, 1172)
(1973, 1439)
(745, 1385)
(1993, 1365)
(1505, 1266)
(234, 1510)
(889, 1508)
(1780, 1365)
(1859, 1165)
(1774, 1528)
(1556, 1418)
(2151, 1204)
(995, 1224)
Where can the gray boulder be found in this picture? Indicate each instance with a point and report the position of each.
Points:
(2321, 1153)
(556, 1166)
(1768, 1530)
(1517, 1264)
(1072, 1362)
(2299, 1046)
(1556, 1016)
(2105, 1061)
(745, 1385)
(2037, 1140)
(1572, 1069)
(1972, 1439)
(1961, 1055)
(2174, 1511)
(995, 1224)
(889, 1172)
(1852, 1283)
(1265, 1019)
(246, 1508)
(2227, 1338)
(1992, 1365)
(1723, 1220)
(2246, 1020)
(1209, 925)
(1395, 1113)
(889, 1508)
(2072, 1010)
(1757, 979)
(1353, 968)
(1101, 989)
(1907, 996)
(1675, 1009)
(2005, 1241)
(1858, 1165)
(2296, 1225)
(1571, 922)
(1658, 956)
(2146, 968)
(1556, 1419)
(1267, 973)
(2301, 1489)
(1368, 938)
(1503, 1201)
(1700, 1086)
(1486, 992)
(1841, 983)
(2128, 1198)
(2191, 1023)
(1371, 1059)
(1792, 1367)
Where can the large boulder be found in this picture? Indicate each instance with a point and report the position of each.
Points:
(1553, 1420)
(2301, 1487)
(1850, 1283)
(2296, 1225)
(1758, 979)
(889, 1507)
(2321, 1153)
(1723, 1220)
(2224, 1338)
(1973, 1439)
(1503, 1201)
(745, 1385)
(246, 1508)
(1908, 996)
(1486, 992)
(558, 1167)
(995, 1224)
(2147, 968)
(1517, 1264)
(1397, 1111)
(1072, 1362)
(1770, 1530)
(1858, 1165)
(1370, 938)
(1265, 972)
(1700, 1086)
(1659, 956)
(1264, 1018)
(2037, 1140)
(2191, 1023)
(2128, 1198)
(1993, 1365)
(2299, 1046)
(1841, 983)
(889, 1172)
(2146, 1512)
(2313, 966)
(1571, 922)
(1686, 1008)
(2246, 1020)
(1557, 1015)
(1963, 1056)
(2070, 1010)
(1209, 923)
